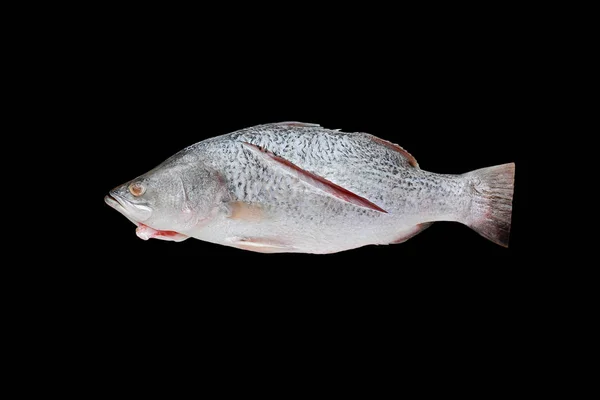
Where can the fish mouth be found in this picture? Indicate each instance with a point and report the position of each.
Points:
(115, 203)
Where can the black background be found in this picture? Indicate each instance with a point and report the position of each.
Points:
(453, 116)
(457, 98)
(123, 90)
(451, 142)
(455, 108)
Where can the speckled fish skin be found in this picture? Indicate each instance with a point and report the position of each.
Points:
(284, 188)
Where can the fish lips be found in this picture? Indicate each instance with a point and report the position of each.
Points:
(136, 213)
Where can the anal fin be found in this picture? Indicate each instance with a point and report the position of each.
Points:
(412, 232)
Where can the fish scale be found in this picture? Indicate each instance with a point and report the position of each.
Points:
(294, 187)
(350, 160)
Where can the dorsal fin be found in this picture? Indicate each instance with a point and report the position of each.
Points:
(314, 180)
(411, 160)
(295, 123)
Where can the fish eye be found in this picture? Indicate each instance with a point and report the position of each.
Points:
(136, 189)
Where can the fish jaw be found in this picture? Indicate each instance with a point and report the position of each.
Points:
(134, 209)
(143, 231)
(114, 203)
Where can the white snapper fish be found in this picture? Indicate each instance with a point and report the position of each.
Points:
(298, 187)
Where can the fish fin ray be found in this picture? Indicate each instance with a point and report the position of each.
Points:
(411, 160)
(260, 244)
(144, 232)
(242, 211)
(314, 180)
(412, 233)
(491, 211)
(296, 123)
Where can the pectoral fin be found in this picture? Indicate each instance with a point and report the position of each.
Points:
(243, 211)
(311, 179)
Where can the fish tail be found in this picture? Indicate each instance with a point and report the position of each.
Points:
(491, 205)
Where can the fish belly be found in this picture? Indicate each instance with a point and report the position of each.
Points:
(312, 224)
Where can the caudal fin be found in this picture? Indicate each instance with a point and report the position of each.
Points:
(491, 208)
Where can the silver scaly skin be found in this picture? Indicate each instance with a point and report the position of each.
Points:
(294, 187)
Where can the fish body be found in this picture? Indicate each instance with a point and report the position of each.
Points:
(296, 187)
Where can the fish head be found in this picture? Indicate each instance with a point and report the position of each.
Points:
(175, 197)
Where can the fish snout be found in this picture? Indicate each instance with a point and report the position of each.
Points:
(115, 198)
(117, 190)
(111, 200)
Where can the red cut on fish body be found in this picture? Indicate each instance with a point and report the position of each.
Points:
(315, 180)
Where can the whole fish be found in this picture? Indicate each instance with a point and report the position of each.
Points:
(297, 187)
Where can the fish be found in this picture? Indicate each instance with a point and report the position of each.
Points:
(294, 187)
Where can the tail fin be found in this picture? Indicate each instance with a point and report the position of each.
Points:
(491, 209)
